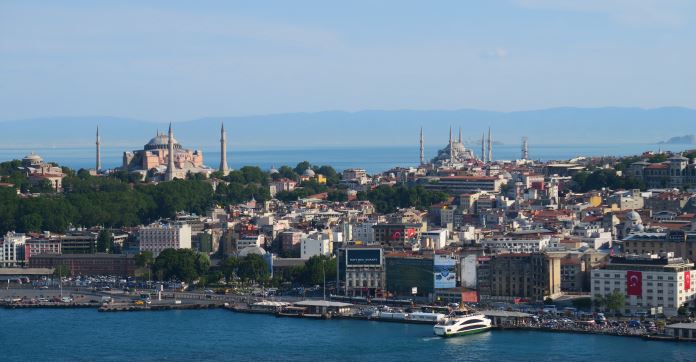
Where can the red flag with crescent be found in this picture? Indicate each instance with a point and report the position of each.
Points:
(411, 232)
(687, 280)
(634, 283)
(396, 235)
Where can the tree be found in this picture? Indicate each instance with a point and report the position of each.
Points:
(105, 241)
(202, 264)
(61, 271)
(144, 259)
(615, 301)
(181, 264)
(582, 303)
(253, 267)
(229, 267)
(387, 198)
(317, 268)
(286, 172)
(599, 301)
(302, 167)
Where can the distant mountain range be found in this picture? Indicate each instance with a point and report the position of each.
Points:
(365, 128)
(682, 140)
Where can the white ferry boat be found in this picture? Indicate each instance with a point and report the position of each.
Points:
(461, 324)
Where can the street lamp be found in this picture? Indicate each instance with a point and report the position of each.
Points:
(323, 272)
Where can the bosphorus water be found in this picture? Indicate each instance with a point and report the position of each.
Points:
(372, 159)
(219, 335)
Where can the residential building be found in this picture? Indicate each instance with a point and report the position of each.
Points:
(364, 232)
(314, 245)
(681, 243)
(508, 244)
(457, 185)
(528, 276)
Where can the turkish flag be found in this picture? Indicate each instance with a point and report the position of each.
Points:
(634, 283)
(687, 280)
(410, 232)
(396, 235)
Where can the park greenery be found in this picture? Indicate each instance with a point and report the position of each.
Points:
(120, 199)
(387, 199)
(604, 178)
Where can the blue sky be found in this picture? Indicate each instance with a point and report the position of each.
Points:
(180, 60)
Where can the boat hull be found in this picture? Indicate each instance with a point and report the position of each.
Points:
(464, 333)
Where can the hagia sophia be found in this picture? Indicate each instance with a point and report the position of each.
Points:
(153, 160)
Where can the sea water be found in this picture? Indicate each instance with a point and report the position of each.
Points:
(372, 159)
(220, 335)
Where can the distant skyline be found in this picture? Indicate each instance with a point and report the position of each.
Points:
(176, 60)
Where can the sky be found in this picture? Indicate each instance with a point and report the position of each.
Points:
(181, 60)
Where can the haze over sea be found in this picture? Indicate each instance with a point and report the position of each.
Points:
(373, 159)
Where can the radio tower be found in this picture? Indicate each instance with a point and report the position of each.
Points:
(525, 148)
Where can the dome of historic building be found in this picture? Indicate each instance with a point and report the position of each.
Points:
(309, 173)
(161, 142)
(459, 152)
(252, 250)
(634, 216)
(32, 159)
(273, 170)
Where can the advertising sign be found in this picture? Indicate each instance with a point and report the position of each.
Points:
(445, 271)
(358, 257)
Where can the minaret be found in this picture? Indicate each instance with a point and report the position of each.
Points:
(525, 148)
(422, 154)
(490, 146)
(223, 151)
(169, 176)
(460, 134)
(451, 149)
(483, 147)
(98, 166)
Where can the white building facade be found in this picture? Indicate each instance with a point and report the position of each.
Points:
(160, 237)
(11, 245)
(647, 282)
(313, 246)
(516, 245)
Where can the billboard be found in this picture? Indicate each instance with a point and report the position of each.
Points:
(359, 257)
(445, 271)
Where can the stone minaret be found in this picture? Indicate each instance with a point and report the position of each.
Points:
(525, 148)
(460, 134)
(422, 153)
(223, 151)
(169, 176)
(451, 148)
(490, 146)
(483, 147)
(98, 166)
